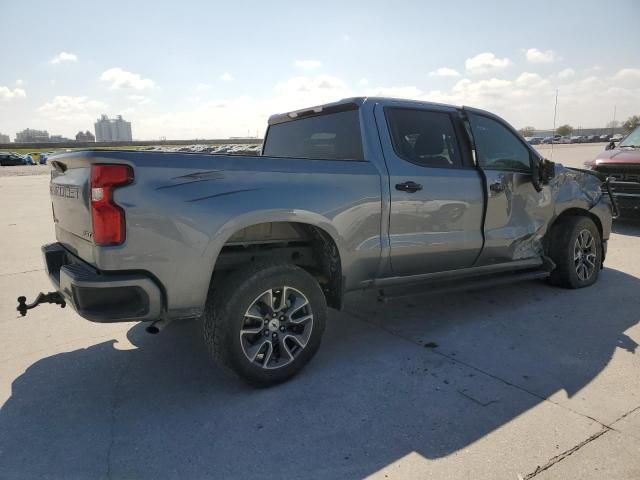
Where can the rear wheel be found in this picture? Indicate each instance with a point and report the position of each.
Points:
(266, 322)
(576, 248)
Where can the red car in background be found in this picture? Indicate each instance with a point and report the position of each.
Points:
(621, 163)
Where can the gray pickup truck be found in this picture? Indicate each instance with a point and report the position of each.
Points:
(361, 193)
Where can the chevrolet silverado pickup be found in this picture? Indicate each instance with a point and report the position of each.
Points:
(361, 193)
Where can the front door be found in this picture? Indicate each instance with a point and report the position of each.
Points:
(437, 196)
(515, 210)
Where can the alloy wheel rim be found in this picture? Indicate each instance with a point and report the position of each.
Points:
(276, 327)
(585, 255)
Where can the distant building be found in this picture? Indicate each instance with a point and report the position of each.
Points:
(59, 139)
(85, 137)
(29, 135)
(113, 129)
(4, 138)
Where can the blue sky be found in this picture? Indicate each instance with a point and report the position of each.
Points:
(218, 69)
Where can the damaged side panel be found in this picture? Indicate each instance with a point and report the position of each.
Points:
(518, 217)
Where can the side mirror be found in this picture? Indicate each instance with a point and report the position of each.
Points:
(542, 171)
(611, 145)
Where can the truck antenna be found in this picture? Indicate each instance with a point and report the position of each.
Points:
(555, 115)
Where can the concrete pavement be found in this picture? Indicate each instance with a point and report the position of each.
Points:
(517, 381)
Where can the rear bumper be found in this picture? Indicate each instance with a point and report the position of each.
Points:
(101, 296)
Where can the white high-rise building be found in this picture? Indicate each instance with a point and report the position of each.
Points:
(113, 129)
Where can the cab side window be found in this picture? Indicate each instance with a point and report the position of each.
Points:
(497, 148)
(424, 137)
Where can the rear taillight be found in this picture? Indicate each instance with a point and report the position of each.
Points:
(107, 217)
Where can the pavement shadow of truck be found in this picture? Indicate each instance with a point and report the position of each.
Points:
(423, 374)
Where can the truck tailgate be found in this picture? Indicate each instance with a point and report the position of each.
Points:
(70, 198)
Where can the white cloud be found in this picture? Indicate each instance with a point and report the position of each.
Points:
(297, 85)
(64, 57)
(139, 99)
(527, 79)
(7, 93)
(525, 98)
(537, 56)
(396, 92)
(308, 64)
(632, 74)
(19, 82)
(203, 87)
(119, 78)
(444, 72)
(226, 77)
(485, 63)
(363, 82)
(566, 73)
(346, 37)
(64, 107)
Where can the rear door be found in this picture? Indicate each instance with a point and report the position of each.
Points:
(437, 197)
(515, 210)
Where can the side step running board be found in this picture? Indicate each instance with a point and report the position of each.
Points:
(473, 283)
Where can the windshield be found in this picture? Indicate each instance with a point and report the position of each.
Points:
(632, 140)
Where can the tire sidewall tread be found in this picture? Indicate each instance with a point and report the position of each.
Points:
(224, 315)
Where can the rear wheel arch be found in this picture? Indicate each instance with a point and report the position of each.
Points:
(306, 245)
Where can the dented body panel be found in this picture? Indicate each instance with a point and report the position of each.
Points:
(183, 210)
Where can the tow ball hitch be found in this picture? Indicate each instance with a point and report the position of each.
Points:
(51, 297)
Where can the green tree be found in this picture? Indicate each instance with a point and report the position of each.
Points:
(564, 130)
(527, 131)
(631, 123)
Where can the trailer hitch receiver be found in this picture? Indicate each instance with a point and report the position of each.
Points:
(51, 297)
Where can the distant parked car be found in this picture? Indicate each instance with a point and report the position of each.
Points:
(535, 140)
(604, 138)
(617, 137)
(592, 138)
(547, 140)
(562, 139)
(577, 139)
(9, 159)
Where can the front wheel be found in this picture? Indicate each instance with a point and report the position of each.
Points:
(576, 249)
(266, 322)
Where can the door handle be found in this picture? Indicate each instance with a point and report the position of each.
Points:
(409, 187)
(497, 187)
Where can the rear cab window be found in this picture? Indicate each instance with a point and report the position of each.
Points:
(328, 136)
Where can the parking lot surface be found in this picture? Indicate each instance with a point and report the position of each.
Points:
(517, 381)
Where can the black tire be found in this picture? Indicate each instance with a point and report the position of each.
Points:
(224, 318)
(562, 250)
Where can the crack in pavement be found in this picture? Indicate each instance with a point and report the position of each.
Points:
(554, 460)
(565, 454)
(20, 273)
(571, 451)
